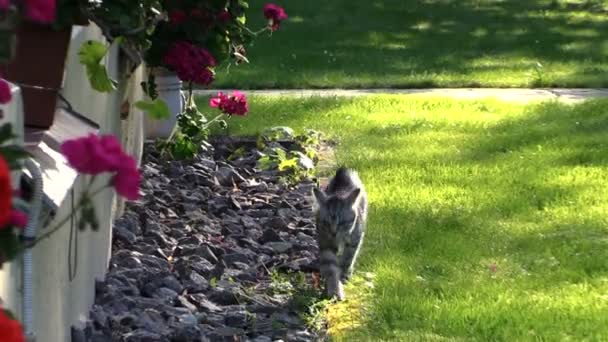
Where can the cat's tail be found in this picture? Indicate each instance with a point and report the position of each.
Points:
(330, 271)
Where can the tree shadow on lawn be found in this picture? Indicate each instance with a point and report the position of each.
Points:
(393, 38)
(541, 221)
(570, 135)
(440, 259)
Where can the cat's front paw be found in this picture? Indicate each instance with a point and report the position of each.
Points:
(336, 291)
(346, 276)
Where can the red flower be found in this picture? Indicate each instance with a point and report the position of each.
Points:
(196, 13)
(42, 11)
(10, 329)
(191, 63)
(177, 17)
(235, 104)
(5, 92)
(275, 14)
(224, 16)
(6, 193)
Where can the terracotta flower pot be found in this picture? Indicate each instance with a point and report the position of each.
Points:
(38, 67)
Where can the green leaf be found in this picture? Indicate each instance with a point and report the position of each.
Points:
(118, 40)
(157, 109)
(6, 133)
(9, 244)
(92, 52)
(266, 163)
(12, 154)
(183, 148)
(99, 79)
(288, 164)
(280, 153)
(213, 282)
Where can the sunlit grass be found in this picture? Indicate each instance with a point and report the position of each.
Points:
(488, 220)
(412, 43)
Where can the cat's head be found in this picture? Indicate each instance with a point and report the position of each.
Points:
(336, 212)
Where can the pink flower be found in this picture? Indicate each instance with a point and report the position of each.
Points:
(235, 104)
(191, 63)
(177, 17)
(4, 4)
(97, 154)
(18, 218)
(275, 14)
(93, 154)
(127, 179)
(224, 16)
(42, 11)
(5, 92)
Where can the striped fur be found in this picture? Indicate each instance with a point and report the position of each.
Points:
(341, 215)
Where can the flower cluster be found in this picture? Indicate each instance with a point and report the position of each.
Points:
(235, 104)
(5, 92)
(6, 194)
(41, 11)
(10, 329)
(98, 154)
(191, 63)
(275, 14)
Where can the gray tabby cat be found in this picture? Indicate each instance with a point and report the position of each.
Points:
(341, 213)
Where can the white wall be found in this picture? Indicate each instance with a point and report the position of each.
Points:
(59, 302)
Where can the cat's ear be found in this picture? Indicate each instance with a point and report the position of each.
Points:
(353, 196)
(320, 196)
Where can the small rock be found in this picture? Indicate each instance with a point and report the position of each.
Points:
(278, 133)
(141, 335)
(277, 222)
(165, 293)
(186, 333)
(184, 302)
(270, 235)
(203, 303)
(227, 176)
(236, 257)
(236, 319)
(223, 296)
(78, 335)
(196, 283)
(121, 233)
(152, 320)
(220, 333)
(207, 253)
(262, 338)
(279, 246)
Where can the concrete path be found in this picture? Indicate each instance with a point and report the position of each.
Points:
(506, 94)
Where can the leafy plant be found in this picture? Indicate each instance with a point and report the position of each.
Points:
(91, 55)
(156, 108)
(292, 164)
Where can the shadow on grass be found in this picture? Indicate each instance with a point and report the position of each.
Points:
(421, 43)
(523, 188)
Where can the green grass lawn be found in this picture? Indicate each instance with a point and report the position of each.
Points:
(457, 187)
(429, 43)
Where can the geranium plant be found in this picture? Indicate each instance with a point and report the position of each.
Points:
(198, 37)
(92, 156)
